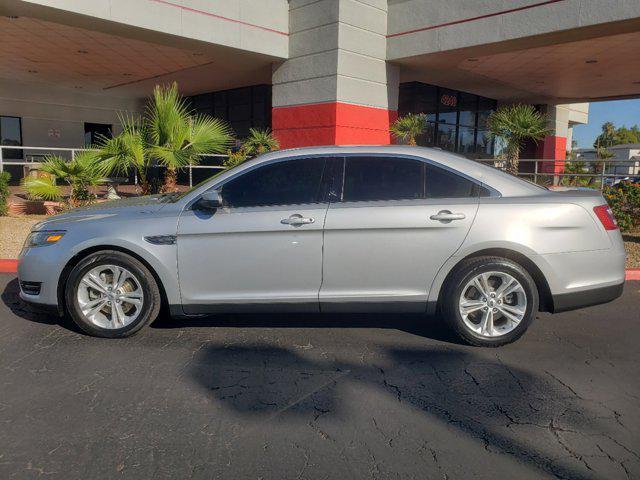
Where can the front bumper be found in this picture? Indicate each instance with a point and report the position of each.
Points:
(40, 266)
(586, 298)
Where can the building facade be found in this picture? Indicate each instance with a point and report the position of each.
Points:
(314, 71)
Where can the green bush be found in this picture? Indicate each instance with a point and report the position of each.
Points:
(4, 192)
(624, 200)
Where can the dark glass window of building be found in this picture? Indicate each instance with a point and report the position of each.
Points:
(94, 132)
(456, 120)
(11, 135)
(243, 108)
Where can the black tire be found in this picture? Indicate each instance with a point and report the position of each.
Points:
(462, 275)
(152, 299)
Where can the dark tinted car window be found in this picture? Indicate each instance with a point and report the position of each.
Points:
(441, 183)
(382, 178)
(283, 183)
(389, 178)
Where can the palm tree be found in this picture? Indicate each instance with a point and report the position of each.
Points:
(260, 141)
(178, 138)
(514, 124)
(409, 127)
(608, 137)
(80, 174)
(127, 151)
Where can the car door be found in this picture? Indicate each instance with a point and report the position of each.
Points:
(396, 222)
(262, 248)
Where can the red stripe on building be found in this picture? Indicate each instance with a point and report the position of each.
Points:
(552, 148)
(472, 19)
(220, 17)
(333, 123)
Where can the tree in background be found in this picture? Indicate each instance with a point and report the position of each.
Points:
(515, 124)
(409, 127)
(611, 135)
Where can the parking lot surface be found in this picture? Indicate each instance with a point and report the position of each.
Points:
(317, 397)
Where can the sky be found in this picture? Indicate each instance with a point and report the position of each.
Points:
(620, 112)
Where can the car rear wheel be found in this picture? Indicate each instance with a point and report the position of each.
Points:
(111, 294)
(490, 301)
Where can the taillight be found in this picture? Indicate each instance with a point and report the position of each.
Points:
(604, 213)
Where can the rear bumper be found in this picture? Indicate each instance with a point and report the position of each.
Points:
(586, 298)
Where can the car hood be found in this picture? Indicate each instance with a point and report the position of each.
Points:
(130, 207)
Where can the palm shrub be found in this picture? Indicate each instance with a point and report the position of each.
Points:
(177, 137)
(409, 127)
(4, 192)
(258, 142)
(80, 174)
(127, 151)
(575, 168)
(235, 158)
(515, 124)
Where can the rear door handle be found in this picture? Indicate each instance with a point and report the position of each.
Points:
(296, 220)
(445, 216)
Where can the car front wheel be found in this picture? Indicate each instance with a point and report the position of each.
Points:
(490, 301)
(111, 294)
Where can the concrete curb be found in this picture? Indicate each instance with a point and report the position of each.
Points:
(9, 265)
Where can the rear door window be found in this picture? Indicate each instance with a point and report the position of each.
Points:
(382, 178)
(397, 178)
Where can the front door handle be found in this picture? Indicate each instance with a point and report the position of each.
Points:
(296, 220)
(445, 216)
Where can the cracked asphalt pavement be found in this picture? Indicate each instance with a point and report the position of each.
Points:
(316, 397)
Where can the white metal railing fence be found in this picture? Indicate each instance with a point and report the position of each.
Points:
(597, 173)
(594, 173)
(33, 156)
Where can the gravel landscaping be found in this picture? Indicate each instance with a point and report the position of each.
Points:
(632, 244)
(13, 231)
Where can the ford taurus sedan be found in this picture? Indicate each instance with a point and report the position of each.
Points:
(333, 229)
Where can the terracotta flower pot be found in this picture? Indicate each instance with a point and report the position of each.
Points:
(52, 208)
(17, 208)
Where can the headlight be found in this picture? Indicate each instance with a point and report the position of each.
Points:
(43, 237)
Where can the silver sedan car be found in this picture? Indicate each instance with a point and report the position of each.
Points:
(333, 229)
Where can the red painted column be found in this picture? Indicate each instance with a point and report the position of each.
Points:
(552, 148)
(333, 123)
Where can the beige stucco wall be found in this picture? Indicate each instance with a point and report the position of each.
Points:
(63, 112)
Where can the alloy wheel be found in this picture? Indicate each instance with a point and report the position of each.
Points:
(110, 296)
(492, 304)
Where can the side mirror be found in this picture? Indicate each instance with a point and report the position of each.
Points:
(209, 201)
